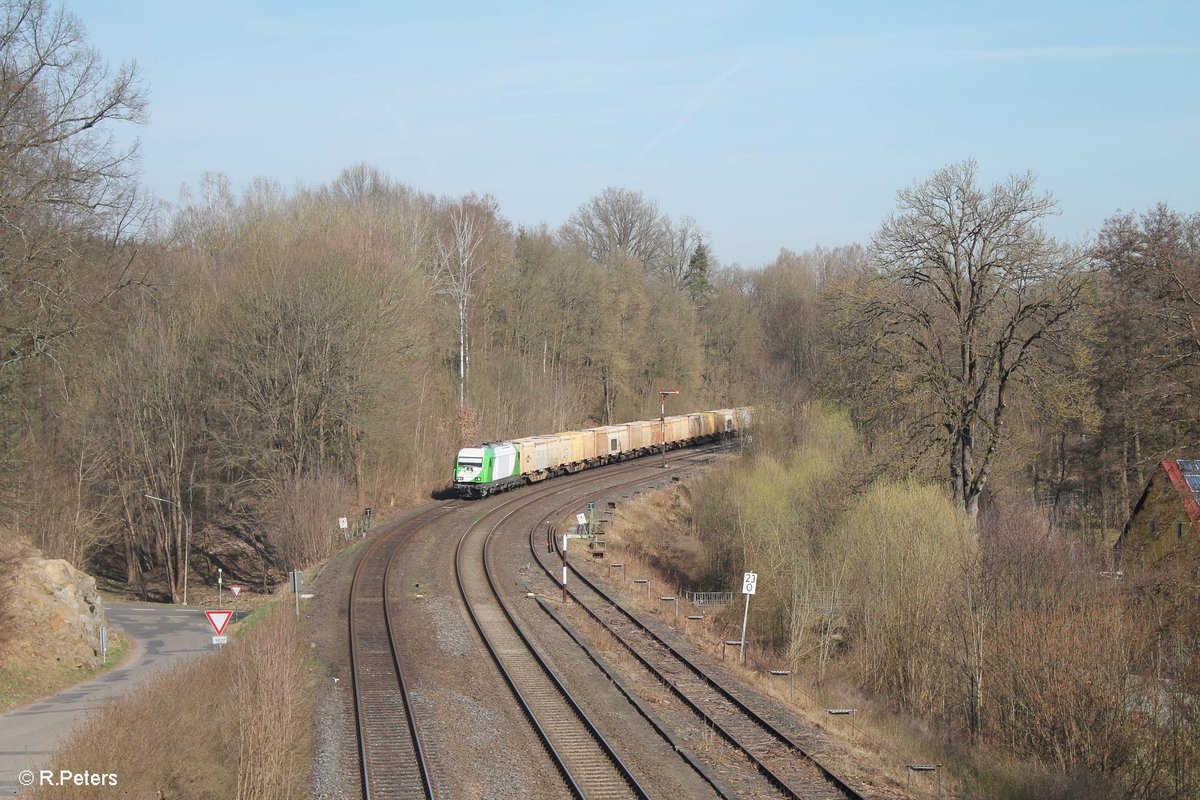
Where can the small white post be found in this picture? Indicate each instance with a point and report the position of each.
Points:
(749, 587)
(564, 582)
(745, 615)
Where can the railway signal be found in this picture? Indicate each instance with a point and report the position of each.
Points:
(662, 418)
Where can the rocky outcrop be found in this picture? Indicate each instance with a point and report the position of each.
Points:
(56, 612)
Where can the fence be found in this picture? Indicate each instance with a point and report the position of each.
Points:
(699, 599)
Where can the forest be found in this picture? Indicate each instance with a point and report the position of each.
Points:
(953, 418)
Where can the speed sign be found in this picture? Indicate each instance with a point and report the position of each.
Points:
(749, 582)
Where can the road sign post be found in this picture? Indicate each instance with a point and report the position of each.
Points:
(296, 578)
(218, 620)
(749, 587)
(103, 644)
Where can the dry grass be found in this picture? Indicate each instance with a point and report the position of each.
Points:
(642, 533)
(24, 681)
(875, 743)
(11, 552)
(234, 725)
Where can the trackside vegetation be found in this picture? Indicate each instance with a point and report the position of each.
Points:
(237, 724)
(1002, 637)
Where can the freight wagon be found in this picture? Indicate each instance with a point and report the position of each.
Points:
(495, 466)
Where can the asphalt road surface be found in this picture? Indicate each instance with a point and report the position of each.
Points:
(163, 636)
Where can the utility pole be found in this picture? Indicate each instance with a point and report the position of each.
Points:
(662, 419)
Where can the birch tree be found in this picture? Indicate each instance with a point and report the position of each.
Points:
(460, 262)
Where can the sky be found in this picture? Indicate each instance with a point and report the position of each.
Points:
(773, 125)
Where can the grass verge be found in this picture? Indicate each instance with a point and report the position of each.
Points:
(236, 724)
(24, 682)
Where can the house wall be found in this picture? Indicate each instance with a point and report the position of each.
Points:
(1160, 526)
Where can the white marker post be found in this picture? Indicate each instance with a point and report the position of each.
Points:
(565, 567)
(749, 586)
(220, 577)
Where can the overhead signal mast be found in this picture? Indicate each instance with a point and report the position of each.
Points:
(662, 418)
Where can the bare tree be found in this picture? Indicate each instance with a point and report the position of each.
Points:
(621, 222)
(62, 180)
(971, 287)
(683, 243)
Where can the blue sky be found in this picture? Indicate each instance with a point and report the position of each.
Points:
(772, 124)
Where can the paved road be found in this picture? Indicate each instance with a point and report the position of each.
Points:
(164, 636)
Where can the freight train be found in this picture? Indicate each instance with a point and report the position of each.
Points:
(496, 466)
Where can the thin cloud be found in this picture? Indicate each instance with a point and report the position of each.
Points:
(1068, 53)
(411, 141)
(698, 102)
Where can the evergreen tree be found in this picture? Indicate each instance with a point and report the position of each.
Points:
(698, 285)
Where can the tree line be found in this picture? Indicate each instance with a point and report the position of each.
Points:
(213, 383)
(224, 353)
(221, 379)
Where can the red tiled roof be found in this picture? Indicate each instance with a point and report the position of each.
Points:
(1181, 485)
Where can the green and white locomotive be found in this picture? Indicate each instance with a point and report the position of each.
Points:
(496, 466)
(491, 467)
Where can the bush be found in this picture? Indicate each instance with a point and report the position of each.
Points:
(774, 513)
(902, 545)
(301, 519)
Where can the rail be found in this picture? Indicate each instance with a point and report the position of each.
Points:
(750, 743)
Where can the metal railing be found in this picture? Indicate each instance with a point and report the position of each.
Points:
(699, 599)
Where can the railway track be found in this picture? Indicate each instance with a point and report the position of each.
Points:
(775, 754)
(589, 765)
(392, 758)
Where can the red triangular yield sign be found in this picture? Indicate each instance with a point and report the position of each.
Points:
(218, 620)
(235, 590)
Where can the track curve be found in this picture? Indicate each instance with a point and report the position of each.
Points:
(783, 761)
